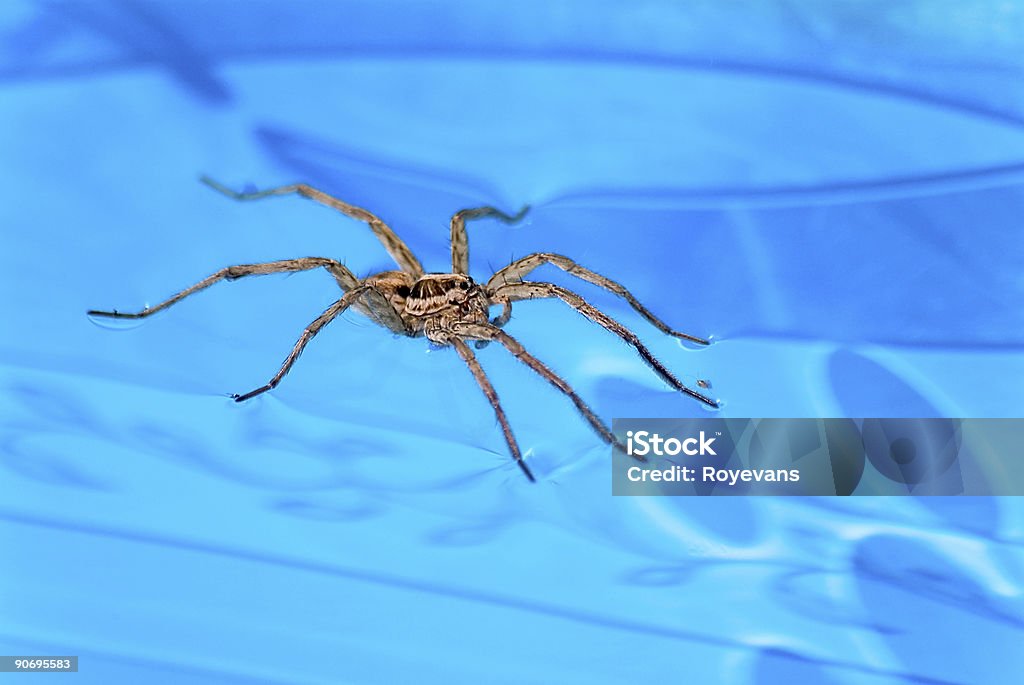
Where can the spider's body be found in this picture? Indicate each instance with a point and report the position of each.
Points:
(448, 308)
(437, 301)
(430, 304)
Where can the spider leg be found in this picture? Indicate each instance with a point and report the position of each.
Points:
(506, 314)
(395, 246)
(533, 291)
(499, 321)
(345, 278)
(517, 270)
(332, 312)
(489, 332)
(485, 385)
(460, 242)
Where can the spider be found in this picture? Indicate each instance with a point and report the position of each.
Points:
(448, 308)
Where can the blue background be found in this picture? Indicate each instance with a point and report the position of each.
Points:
(832, 190)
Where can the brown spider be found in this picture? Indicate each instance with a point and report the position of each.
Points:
(448, 308)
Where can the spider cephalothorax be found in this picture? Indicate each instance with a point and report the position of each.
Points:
(438, 301)
(447, 308)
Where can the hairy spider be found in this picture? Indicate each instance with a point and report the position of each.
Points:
(447, 308)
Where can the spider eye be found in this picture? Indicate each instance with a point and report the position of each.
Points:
(402, 290)
(464, 285)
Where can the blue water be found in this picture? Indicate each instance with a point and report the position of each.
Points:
(834, 191)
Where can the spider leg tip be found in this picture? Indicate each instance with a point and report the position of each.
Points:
(704, 342)
(105, 314)
(526, 471)
(216, 185)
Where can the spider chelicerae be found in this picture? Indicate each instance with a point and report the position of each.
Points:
(447, 308)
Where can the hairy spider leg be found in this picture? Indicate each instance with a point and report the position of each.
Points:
(345, 278)
(395, 246)
(536, 290)
(460, 241)
(492, 396)
(476, 331)
(329, 314)
(517, 270)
